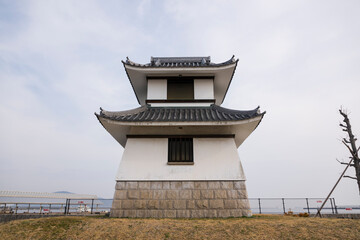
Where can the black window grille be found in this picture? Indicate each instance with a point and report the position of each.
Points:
(180, 150)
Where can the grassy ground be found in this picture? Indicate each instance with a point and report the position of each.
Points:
(257, 227)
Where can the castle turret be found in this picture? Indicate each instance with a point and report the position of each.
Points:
(180, 157)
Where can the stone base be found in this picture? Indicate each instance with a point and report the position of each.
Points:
(180, 199)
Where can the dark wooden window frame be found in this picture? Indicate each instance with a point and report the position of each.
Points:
(180, 151)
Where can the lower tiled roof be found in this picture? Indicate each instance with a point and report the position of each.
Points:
(180, 114)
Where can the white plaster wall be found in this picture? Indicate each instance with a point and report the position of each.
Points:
(214, 159)
(204, 89)
(157, 89)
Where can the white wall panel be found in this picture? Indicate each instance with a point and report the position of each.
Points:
(157, 89)
(204, 89)
(214, 159)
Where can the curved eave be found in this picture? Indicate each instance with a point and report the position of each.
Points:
(241, 129)
(222, 73)
(181, 123)
(179, 62)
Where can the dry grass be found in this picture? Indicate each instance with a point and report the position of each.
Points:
(258, 227)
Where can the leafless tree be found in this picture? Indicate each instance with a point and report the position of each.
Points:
(354, 158)
(350, 144)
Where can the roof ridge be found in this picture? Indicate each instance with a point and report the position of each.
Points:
(180, 62)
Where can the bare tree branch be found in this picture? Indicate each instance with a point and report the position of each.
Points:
(351, 165)
(354, 160)
(354, 156)
(345, 163)
(350, 143)
(350, 177)
(343, 114)
(347, 147)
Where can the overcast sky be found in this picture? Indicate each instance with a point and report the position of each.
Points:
(61, 60)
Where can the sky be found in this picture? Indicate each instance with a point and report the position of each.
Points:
(61, 60)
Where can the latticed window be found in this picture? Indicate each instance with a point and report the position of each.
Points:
(180, 150)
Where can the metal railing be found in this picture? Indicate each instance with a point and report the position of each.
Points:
(294, 205)
(69, 206)
(96, 206)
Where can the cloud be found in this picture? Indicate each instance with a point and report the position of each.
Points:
(61, 61)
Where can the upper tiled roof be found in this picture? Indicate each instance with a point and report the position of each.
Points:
(180, 114)
(173, 62)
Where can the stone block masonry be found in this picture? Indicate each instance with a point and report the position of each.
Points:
(180, 199)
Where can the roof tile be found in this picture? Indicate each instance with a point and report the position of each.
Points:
(179, 114)
(174, 62)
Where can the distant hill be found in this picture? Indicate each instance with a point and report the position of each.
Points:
(63, 192)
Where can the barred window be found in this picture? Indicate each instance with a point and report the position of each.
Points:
(180, 151)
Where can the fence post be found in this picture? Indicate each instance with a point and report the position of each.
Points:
(16, 208)
(307, 204)
(29, 208)
(92, 205)
(332, 207)
(336, 211)
(283, 202)
(259, 206)
(66, 206)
